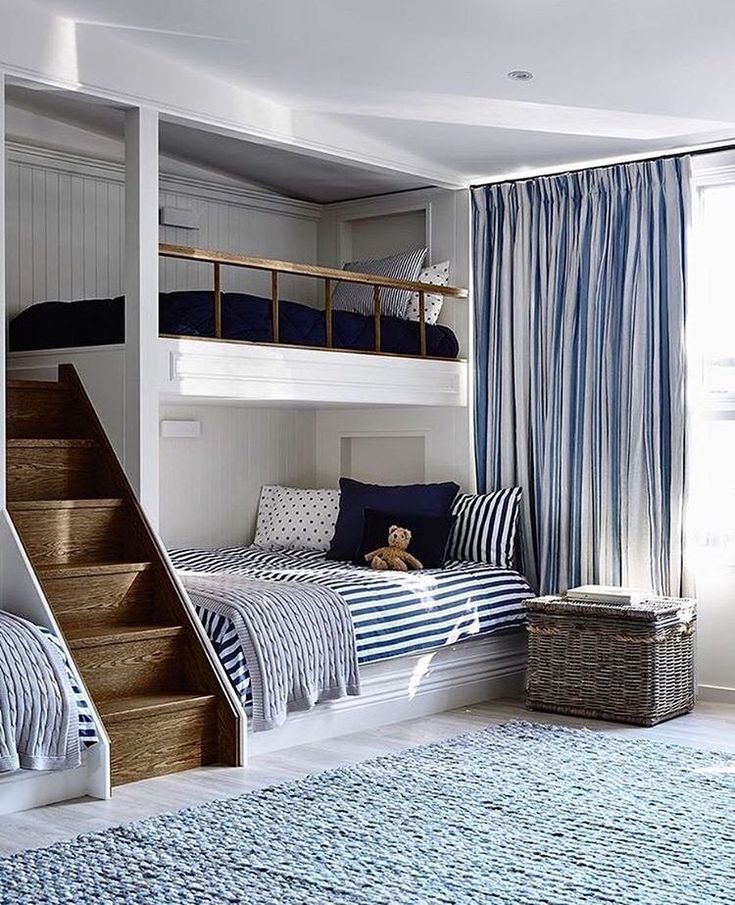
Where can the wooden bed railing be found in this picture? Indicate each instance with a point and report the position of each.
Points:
(330, 275)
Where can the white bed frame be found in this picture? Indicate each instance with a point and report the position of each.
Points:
(410, 687)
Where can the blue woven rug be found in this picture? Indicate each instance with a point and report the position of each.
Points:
(519, 814)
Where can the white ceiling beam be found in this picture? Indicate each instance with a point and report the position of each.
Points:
(525, 116)
(57, 52)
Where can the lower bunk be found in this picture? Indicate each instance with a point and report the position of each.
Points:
(47, 726)
(295, 629)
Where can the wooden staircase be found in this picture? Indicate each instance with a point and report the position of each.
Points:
(134, 639)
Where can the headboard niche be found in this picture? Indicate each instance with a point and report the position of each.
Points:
(384, 458)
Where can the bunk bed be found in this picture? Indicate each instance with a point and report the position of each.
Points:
(455, 631)
(478, 651)
(230, 346)
(299, 618)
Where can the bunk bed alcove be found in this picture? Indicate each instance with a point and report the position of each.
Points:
(280, 409)
(222, 368)
(361, 389)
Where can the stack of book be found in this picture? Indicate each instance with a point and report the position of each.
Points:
(600, 593)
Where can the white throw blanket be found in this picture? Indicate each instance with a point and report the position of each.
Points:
(298, 639)
(39, 720)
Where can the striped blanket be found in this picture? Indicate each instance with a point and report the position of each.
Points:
(394, 613)
(87, 728)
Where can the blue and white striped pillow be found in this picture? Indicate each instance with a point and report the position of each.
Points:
(485, 527)
(358, 297)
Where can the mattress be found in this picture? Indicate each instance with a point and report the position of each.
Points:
(395, 614)
(99, 322)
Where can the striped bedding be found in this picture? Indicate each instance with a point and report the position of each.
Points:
(395, 614)
(87, 728)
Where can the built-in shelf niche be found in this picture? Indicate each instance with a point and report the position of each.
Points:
(384, 459)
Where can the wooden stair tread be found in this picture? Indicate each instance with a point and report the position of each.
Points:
(92, 503)
(16, 384)
(96, 636)
(79, 570)
(49, 443)
(137, 706)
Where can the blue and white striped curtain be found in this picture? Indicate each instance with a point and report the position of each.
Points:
(580, 370)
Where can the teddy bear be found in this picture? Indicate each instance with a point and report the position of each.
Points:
(395, 556)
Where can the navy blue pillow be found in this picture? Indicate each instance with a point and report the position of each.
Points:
(429, 535)
(356, 497)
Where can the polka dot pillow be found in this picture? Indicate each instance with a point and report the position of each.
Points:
(293, 519)
(437, 275)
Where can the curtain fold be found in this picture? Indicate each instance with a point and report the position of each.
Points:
(580, 369)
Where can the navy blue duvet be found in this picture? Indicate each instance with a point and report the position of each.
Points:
(99, 322)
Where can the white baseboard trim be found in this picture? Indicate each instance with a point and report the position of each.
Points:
(409, 687)
(716, 694)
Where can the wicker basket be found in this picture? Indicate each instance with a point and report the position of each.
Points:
(631, 663)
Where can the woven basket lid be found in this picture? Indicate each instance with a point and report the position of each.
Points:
(648, 610)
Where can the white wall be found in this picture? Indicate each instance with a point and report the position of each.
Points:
(210, 486)
(439, 218)
(382, 440)
(365, 238)
(65, 213)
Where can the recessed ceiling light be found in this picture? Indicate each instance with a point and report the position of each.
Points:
(520, 75)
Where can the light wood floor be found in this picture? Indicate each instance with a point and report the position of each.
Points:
(710, 726)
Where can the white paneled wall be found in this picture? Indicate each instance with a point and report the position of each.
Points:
(287, 232)
(375, 444)
(64, 235)
(210, 485)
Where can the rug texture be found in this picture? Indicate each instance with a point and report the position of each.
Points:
(518, 814)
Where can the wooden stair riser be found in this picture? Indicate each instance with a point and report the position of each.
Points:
(158, 744)
(101, 600)
(56, 473)
(42, 412)
(84, 535)
(132, 667)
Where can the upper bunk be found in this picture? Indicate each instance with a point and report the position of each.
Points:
(259, 322)
(231, 346)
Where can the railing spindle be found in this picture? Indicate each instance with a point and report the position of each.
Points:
(217, 301)
(376, 316)
(422, 322)
(328, 312)
(275, 318)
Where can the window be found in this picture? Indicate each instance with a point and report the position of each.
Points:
(711, 341)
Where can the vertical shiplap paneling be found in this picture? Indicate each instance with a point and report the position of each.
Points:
(239, 228)
(52, 221)
(206, 506)
(24, 262)
(65, 243)
(12, 238)
(65, 237)
(77, 216)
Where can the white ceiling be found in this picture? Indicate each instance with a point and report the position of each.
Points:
(611, 78)
(306, 177)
